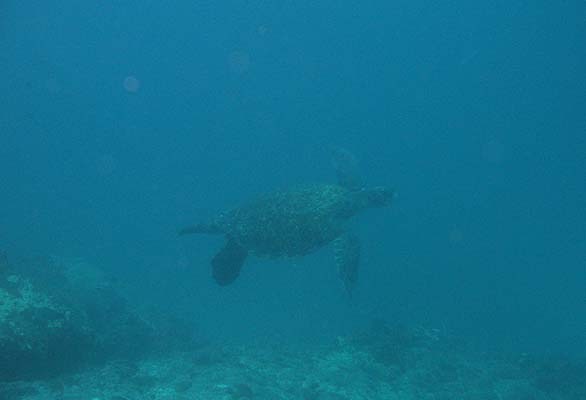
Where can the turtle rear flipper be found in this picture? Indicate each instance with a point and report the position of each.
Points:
(347, 255)
(346, 167)
(227, 263)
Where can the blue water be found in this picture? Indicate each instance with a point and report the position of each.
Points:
(121, 122)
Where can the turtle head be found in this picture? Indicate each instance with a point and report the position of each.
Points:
(375, 197)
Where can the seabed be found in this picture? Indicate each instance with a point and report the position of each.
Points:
(66, 333)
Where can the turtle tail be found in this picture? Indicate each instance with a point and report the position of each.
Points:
(201, 228)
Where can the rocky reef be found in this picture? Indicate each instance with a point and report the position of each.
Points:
(59, 315)
(383, 362)
(67, 333)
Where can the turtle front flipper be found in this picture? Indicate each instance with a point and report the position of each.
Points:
(347, 255)
(227, 263)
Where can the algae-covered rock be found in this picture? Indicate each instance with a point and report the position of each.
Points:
(59, 315)
(118, 330)
(37, 332)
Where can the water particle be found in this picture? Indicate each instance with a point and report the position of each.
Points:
(131, 84)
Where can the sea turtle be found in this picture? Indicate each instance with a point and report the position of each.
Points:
(292, 223)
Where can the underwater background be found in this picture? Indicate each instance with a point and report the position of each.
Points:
(121, 122)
